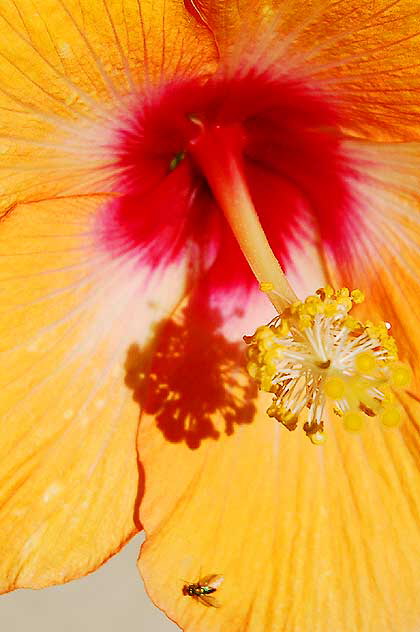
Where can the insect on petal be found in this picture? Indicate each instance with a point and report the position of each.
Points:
(306, 549)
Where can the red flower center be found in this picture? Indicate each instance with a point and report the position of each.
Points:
(296, 171)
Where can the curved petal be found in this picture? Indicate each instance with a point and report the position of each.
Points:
(364, 56)
(386, 261)
(70, 313)
(306, 539)
(386, 230)
(72, 309)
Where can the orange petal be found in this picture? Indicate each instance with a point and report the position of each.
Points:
(365, 57)
(69, 316)
(99, 46)
(385, 260)
(306, 538)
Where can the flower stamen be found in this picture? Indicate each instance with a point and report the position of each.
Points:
(315, 353)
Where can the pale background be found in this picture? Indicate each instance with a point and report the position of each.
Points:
(110, 600)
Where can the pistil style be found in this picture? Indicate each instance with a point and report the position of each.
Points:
(217, 150)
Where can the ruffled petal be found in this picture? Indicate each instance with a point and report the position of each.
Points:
(305, 538)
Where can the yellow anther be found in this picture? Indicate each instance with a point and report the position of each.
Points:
(388, 395)
(272, 354)
(305, 321)
(400, 375)
(365, 362)
(294, 307)
(267, 342)
(315, 432)
(344, 300)
(358, 296)
(266, 286)
(317, 438)
(267, 383)
(390, 345)
(283, 329)
(351, 323)
(283, 415)
(343, 292)
(252, 353)
(391, 416)
(382, 329)
(315, 351)
(330, 309)
(313, 298)
(312, 308)
(253, 369)
(325, 292)
(370, 412)
(353, 420)
(287, 415)
(334, 387)
(263, 332)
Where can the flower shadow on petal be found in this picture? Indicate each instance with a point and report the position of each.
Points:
(191, 378)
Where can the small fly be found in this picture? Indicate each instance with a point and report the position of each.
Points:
(202, 590)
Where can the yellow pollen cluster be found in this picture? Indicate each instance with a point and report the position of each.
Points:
(316, 353)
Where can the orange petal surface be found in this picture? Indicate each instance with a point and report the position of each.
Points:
(307, 538)
(70, 312)
(385, 260)
(69, 474)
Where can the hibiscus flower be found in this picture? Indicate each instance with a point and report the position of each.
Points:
(151, 152)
